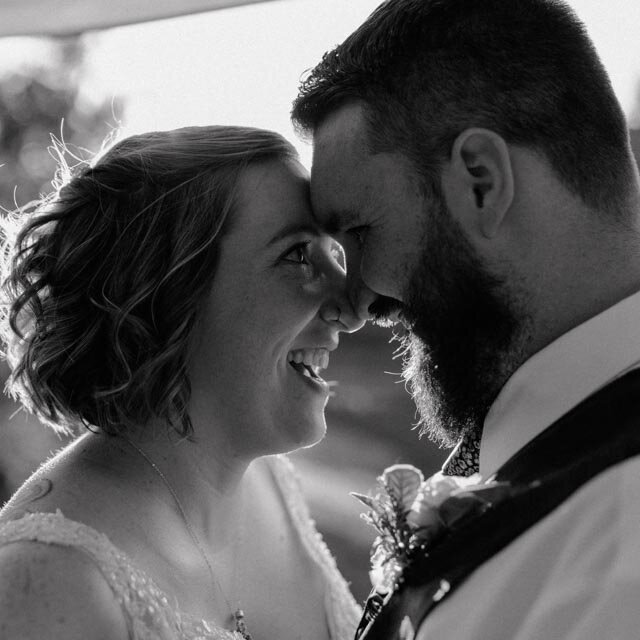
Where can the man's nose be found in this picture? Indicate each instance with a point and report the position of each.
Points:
(359, 294)
(339, 302)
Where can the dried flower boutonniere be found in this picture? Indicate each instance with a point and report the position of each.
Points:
(411, 514)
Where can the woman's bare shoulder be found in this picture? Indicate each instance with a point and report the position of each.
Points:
(67, 483)
(57, 592)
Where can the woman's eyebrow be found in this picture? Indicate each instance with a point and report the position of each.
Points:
(292, 229)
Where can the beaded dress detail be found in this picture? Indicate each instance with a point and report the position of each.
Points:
(153, 615)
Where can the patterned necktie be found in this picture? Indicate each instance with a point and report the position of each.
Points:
(465, 458)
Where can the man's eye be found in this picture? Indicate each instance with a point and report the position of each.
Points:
(298, 254)
(358, 234)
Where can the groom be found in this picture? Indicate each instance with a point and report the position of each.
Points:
(475, 162)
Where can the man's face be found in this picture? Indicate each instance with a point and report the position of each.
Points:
(406, 253)
(372, 203)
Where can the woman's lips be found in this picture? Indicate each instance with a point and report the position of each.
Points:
(306, 370)
(315, 358)
(307, 362)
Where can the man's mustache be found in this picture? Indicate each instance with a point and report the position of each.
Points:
(385, 310)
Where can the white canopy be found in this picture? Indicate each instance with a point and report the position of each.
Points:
(66, 17)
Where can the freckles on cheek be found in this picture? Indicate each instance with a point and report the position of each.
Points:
(284, 312)
(310, 298)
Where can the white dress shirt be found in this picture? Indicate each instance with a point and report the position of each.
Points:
(575, 575)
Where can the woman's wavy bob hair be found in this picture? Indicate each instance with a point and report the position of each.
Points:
(104, 278)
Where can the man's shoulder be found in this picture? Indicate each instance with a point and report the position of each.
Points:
(605, 510)
(612, 493)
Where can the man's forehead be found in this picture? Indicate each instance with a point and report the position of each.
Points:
(334, 187)
(340, 155)
(342, 130)
(339, 152)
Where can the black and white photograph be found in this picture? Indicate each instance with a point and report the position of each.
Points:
(319, 320)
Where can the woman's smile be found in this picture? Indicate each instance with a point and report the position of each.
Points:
(307, 363)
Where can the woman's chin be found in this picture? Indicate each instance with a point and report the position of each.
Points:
(306, 433)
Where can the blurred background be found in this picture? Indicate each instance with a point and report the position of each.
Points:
(83, 70)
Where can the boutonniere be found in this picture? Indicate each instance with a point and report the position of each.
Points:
(412, 514)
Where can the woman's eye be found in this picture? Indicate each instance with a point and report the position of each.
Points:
(297, 255)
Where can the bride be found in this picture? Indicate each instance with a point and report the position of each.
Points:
(174, 301)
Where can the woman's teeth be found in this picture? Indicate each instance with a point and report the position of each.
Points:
(312, 360)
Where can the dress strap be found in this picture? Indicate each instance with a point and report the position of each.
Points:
(343, 613)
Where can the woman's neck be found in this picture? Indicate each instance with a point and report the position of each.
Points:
(200, 481)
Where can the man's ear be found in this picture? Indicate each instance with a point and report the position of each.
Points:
(478, 181)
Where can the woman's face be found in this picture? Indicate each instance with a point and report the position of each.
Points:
(275, 310)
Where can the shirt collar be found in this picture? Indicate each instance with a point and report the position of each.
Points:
(558, 378)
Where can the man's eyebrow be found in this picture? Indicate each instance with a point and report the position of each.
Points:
(293, 229)
(338, 220)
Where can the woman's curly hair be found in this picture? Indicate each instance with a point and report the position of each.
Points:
(104, 278)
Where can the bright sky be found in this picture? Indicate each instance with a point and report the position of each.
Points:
(242, 65)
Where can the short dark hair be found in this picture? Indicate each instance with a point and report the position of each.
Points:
(104, 279)
(426, 70)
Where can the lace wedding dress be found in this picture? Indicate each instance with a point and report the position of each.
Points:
(150, 613)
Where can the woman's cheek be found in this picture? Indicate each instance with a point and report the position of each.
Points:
(311, 289)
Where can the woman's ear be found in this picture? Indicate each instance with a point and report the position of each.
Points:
(478, 181)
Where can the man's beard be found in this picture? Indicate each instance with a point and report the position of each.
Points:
(467, 334)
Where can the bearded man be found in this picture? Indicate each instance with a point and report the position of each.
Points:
(475, 163)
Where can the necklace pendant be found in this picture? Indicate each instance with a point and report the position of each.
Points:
(241, 627)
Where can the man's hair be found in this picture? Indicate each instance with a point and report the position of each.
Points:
(426, 70)
(105, 278)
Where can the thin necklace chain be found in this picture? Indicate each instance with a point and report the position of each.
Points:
(238, 614)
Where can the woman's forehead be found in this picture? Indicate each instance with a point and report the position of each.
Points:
(273, 194)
